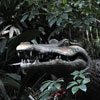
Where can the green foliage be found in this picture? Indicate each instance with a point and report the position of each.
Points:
(25, 20)
(62, 13)
(92, 42)
(11, 12)
(8, 80)
(79, 81)
(10, 31)
(50, 87)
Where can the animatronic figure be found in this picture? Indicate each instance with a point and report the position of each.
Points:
(61, 58)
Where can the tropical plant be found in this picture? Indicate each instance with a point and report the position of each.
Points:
(54, 89)
(39, 21)
(50, 88)
(79, 81)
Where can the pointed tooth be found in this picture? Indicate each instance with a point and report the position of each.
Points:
(37, 61)
(56, 57)
(36, 57)
(25, 55)
(28, 60)
(67, 58)
(31, 53)
(39, 56)
(34, 62)
(23, 71)
(18, 53)
(42, 55)
(22, 60)
(59, 57)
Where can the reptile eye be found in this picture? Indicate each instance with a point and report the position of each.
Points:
(66, 43)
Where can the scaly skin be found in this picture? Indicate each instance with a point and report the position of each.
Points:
(61, 48)
(60, 64)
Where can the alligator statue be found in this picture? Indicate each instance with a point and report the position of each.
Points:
(61, 58)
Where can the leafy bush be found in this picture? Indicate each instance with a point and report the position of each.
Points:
(79, 81)
(52, 88)
(41, 20)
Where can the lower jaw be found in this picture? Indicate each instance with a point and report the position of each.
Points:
(57, 64)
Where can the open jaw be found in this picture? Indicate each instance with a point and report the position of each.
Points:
(51, 55)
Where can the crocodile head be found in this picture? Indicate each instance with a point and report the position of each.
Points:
(56, 55)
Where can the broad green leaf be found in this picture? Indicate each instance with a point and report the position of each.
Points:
(34, 41)
(50, 87)
(47, 81)
(74, 78)
(98, 2)
(10, 82)
(58, 85)
(3, 43)
(84, 70)
(47, 96)
(30, 2)
(44, 86)
(60, 80)
(5, 30)
(13, 31)
(46, 92)
(83, 87)
(1, 21)
(81, 4)
(75, 73)
(75, 89)
(14, 76)
(45, 9)
(24, 18)
(64, 16)
(52, 22)
(64, 1)
(82, 76)
(93, 19)
(54, 89)
(68, 10)
(24, 24)
(87, 73)
(79, 81)
(41, 29)
(86, 80)
(59, 21)
(34, 12)
(51, 18)
(71, 84)
(3, 91)
(86, 22)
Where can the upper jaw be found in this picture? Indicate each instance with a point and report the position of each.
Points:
(48, 47)
(67, 51)
(44, 48)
